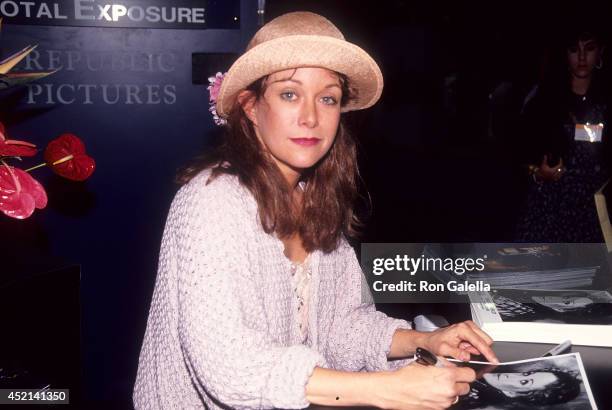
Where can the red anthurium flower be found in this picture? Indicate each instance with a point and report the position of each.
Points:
(14, 148)
(66, 156)
(20, 193)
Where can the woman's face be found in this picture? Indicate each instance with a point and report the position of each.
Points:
(513, 384)
(582, 57)
(297, 118)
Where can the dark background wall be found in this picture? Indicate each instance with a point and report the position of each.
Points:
(111, 224)
(440, 152)
(437, 156)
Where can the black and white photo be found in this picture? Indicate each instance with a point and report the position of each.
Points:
(557, 382)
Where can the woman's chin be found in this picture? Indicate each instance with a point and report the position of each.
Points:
(303, 164)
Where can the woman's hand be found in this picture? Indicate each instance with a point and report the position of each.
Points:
(547, 173)
(421, 387)
(459, 341)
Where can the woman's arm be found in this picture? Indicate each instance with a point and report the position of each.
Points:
(337, 388)
(363, 338)
(458, 340)
(404, 343)
(411, 387)
(360, 336)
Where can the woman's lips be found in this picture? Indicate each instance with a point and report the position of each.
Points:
(307, 142)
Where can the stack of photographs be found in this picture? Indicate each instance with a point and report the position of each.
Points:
(555, 383)
(536, 266)
(561, 278)
(545, 316)
(528, 266)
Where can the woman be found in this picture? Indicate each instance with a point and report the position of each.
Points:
(257, 302)
(566, 124)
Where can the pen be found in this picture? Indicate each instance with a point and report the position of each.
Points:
(426, 358)
(559, 349)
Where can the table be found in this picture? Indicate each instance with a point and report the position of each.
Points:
(597, 360)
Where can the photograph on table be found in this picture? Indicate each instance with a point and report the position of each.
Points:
(545, 316)
(554, 306)
(556, 382)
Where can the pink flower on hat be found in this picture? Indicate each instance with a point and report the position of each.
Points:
(215, 85)
(214, 88)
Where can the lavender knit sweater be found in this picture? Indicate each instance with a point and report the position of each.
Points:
(222, 330)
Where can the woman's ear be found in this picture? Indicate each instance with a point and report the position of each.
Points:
(246, 99)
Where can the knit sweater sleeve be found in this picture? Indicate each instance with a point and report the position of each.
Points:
(360, 338)
(222, 328)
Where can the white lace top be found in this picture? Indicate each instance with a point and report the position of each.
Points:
(300, 279)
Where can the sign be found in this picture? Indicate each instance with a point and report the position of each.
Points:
(176, 14)
(88, 76)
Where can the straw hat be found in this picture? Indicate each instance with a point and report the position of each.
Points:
(302, 39)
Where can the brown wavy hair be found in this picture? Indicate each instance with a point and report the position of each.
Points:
(327, 209)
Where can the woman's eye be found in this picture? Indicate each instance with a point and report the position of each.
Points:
(288, 95)
(329, 100)
(573, 49)
(524, 382)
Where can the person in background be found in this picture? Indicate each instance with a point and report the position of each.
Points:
(566, 135)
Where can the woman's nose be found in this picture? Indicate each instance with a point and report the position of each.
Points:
(308, 114)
